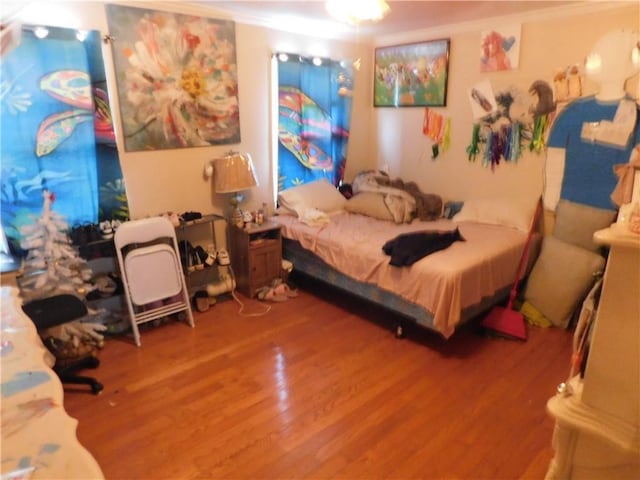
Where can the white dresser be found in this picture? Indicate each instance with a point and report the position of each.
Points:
(597, 433)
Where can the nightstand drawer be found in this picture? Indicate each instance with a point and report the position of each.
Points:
(264, 243)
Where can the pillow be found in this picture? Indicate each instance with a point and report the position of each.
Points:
(370, 204)
(280, 210)
(576, 223)
(560, 278)
(451, 208)
(320, 195)
(504, 212)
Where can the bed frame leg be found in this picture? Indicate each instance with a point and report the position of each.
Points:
(399, 331)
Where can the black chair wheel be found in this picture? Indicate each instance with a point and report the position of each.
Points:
(93, 362)
(96, 388)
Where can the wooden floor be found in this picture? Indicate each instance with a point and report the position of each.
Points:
(319, 389)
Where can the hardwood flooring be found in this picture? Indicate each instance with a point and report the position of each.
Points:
(319, 388)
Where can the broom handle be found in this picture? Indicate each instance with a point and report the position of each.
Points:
(525, 252)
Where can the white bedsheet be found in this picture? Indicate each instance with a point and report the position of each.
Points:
(444, 282)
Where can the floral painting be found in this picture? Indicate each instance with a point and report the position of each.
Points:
(176, 77)
(500, 49)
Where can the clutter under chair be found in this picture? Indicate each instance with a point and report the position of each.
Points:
(74, 353)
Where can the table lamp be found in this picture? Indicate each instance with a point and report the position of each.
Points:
(234, 173)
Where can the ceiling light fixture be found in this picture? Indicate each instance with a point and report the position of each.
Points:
(41, 32)
(356, 11)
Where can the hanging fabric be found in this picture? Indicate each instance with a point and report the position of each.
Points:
(515, 137)
(438, 129)
(473, 149)
(539, 130)
(505, 135)
(51, 127)
(314, 106)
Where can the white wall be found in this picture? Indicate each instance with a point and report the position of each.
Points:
(159, 181)
(172, 180)
(550, 39)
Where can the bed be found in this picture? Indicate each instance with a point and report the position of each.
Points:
(329, 241)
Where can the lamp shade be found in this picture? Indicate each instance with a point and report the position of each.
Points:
(234, 173)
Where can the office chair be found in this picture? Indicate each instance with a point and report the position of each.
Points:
(151, 272)
(57, 310)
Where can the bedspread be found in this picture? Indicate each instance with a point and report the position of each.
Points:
(443, 282)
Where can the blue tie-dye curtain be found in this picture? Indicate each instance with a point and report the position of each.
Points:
(56, 132)
(314, 118)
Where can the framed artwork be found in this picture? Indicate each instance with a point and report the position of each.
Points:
(500, 49)
(176, 77)
(412, 75)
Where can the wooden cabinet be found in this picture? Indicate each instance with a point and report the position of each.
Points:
(597, 433)
(256, 256)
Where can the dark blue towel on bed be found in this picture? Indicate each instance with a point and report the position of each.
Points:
(408, 248)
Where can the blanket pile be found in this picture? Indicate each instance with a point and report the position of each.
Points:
(404, 200)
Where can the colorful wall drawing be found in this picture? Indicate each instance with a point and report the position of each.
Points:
(500, 49)
(176, 78)
(482, 100)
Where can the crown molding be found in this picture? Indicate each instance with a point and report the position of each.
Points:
(550, 13)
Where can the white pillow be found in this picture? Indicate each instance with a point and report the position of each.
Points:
(319, 195)
(576, 223)
(280, 210)
(509, 213)
(370, 204)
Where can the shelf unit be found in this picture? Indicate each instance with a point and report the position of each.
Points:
(597, 432)
(208, 232)
(97, 249)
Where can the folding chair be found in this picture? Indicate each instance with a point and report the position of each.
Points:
(151, 271)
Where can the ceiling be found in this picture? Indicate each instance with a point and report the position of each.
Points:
(404, 15)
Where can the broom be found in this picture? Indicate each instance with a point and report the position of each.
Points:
(505, 321)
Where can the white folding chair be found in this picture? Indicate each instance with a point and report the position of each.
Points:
(151, 271)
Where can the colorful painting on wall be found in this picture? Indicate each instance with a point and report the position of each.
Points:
(412, 75)
(500, 49)
(176, 77)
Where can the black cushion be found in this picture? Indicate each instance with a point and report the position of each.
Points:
(56, 310)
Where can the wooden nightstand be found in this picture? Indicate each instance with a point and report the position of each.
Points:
(256, 256)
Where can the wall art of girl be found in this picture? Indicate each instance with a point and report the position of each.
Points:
(494, 56)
